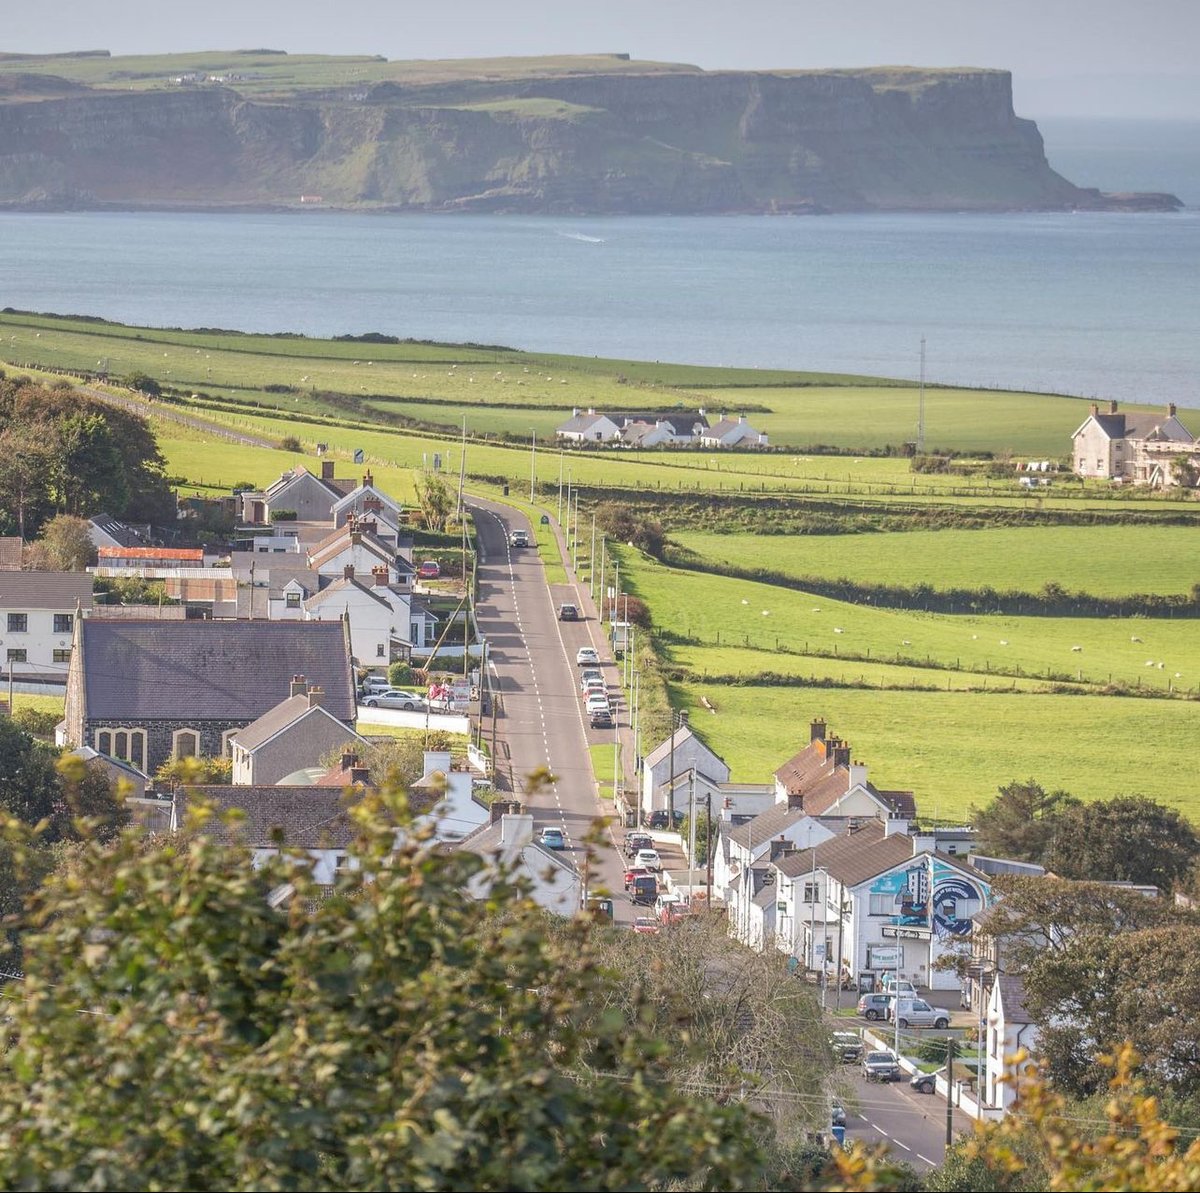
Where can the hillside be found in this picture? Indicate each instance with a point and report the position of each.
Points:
(598, 134)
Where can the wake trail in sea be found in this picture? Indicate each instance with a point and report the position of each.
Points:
(582, 237)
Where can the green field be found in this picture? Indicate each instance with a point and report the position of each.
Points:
(953, 750)
(1158, 559)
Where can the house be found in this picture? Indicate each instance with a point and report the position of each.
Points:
(357, 545)
(148, 691)
(670, 429)
(683, 751)
(121, 775)
(1010, 1028)
(377, 616)
(372, 503)
(732, 432)
(296, 733)
(106, 531)
(313, 820)
(826, 782)
(299, 494)
(37, 620)
(506, 843)
(1139, 448)
(588, 428)
(449, 791)
(646, 435)
(11, 550)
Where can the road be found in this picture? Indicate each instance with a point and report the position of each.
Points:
(541, 722)
(912, 1125)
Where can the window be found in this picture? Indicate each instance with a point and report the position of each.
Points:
(293, 600)
(17, 656)
(63, 623)
(185, 743)
(380, 650)
(882, 905)
(62, 656)
(18, 623)
(127, 744)
(812, 892)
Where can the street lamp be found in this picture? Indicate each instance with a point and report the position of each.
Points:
(532, 460)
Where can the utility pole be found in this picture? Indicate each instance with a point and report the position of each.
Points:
(575, 539)
(592, 560)
(560, 521)
(462, 469)
(691, 822)
(560, 474)
(950, 1041)
(841, 944)
(921, 405)
(708, 831)
(532, 461)
(600, 594)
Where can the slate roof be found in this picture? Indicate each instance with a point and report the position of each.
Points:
(852, 857)
(300, 817)
(766, 825)
(680, 422)
(580, 423)
(210, 670)
(126, 536)
(335, 544)
(1140, 425)
(1012, 997)
(662, 751)
(810, 766)
(58, 591)
(10, 553)
(285, 714)
(340, 588)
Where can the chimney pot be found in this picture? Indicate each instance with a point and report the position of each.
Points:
(349, 760)
(1112, 406)
(360, 774)
(316, 697)
(1170, 409)
(298, 686)
(817, 730)
(327, 470)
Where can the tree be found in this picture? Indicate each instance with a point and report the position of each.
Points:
(29, 787)
(196, 770)
(65, 545)
(627, 525)
(1126, 839)
(435, 501)
(24, 453)
(1019, 822)
(86, 470)
(392, 1035)
(143, 383)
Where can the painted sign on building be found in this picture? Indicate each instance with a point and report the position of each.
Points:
(928, 898)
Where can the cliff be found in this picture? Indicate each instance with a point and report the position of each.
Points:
(579, 138)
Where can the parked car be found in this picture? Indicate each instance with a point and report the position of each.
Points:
(598, 701)
(644, 890)
(632, 872)
(374, 683)
(881, 1066)
(664, 819)
(568, 613)
(646, 925)
(395, 698)
(586, 656)
(837, 1114)
(429, 569)
(916, 1012)
(900, 987)
(587, 675)
(601, 718)
(519, 538)
(648, 858)
(552, 838)
(926, 1083)
(874, 1006)
(847, 1047)
(636, 841)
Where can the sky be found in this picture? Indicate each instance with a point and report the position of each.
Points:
(1101, 58)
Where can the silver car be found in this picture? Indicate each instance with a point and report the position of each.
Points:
(395, 698)
(916, 1012)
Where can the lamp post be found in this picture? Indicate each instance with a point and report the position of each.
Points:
(532, 460)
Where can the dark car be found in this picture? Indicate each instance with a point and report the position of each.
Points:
(600, 718)
(924, 1083)
(568, 613)
(847, 1047)
(636, 841)
(881, 1066)
(664, 819)
(644, 890)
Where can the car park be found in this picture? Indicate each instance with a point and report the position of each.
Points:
(646, 925)
(519, 538)
(874, 1006)
(847, 1047)
(552, 838)
(430, 569)
(586, 656)
(395, 698)
(916, 1012)
(881, 1066)
(648, 858)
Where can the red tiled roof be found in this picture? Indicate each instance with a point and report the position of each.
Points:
(151, 553)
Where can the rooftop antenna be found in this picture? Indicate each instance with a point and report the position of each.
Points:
(921, 405)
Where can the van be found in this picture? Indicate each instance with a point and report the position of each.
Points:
(644, 890)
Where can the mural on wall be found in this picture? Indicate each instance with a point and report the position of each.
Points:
(945, 911)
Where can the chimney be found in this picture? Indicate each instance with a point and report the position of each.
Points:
(348, 572)
(516, 829)
(858, 773)
(503, 807)
(841, 754)
(816, 730)
(360, 774)
(316, 696)
(380, 576)
(1095, 408)
(1170, 409)
(1112, 406)
(795, 801)
(574, 411)
(349, 760)
(327, 470)
(741, 419)
(298, 686)
(368, 479)
(852, 825)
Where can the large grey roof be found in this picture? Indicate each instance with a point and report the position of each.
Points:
(60, 591)
(300, 817)
(210, 670)
(663, 750)
(338, 588)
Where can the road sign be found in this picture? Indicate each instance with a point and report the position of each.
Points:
(358, 455)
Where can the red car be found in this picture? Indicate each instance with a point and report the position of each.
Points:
(633, 872)
(646, 925)
(429, 570)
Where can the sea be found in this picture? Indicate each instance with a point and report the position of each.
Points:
(1092, 304)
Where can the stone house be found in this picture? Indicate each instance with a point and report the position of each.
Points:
(148, 691)
(300, 492)
(1136, 447)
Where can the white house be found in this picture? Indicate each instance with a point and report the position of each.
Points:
(682, 752)
(378, 616)
(369, 502)
(655, 434)
(508, 847)
(1009, 1029)
(357, 545)
(455, 812)
(37, 620)
(732, 432)
(588, 428)
(1138, 447)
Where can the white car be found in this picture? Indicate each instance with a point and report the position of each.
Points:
(586, 656)
(395, 698)
(647, 859)
(597, 702)
(587, 675)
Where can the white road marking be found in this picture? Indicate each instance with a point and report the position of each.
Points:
(903, 1145)
(932, 1163)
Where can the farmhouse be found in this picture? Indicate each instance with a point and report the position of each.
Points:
(732, 432)
(1137, 448)
(588, 428)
